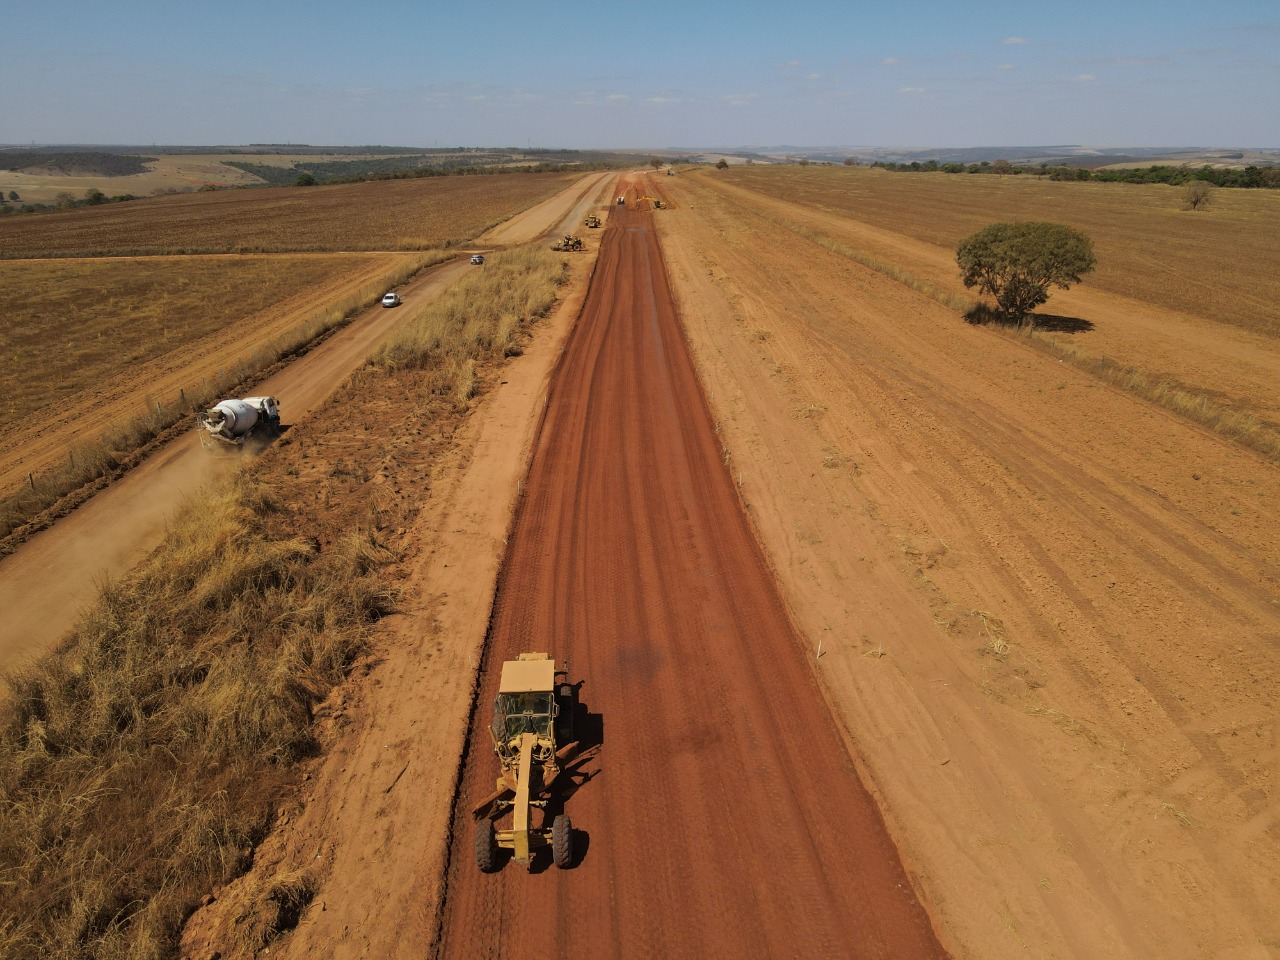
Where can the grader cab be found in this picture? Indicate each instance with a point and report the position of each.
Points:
(533, 739)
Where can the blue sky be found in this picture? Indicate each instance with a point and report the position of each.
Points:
(657, 74)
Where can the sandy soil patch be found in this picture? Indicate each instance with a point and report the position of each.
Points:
(1046, 612)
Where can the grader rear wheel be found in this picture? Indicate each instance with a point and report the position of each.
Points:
(486, 847)
(562, 841)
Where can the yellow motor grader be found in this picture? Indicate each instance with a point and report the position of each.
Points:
(592, 221)
(532, 734)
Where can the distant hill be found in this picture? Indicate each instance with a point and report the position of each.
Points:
(75, 164)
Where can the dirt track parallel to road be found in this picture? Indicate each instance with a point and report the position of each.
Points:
(723, 816)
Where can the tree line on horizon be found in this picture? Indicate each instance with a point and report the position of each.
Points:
(1253, 176)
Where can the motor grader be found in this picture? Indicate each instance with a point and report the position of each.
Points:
(532, 733)
(570, 242)
(592, 221)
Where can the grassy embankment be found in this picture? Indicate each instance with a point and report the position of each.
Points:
(141, 765)
(1129, 227)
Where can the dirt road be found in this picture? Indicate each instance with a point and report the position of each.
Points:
(559, 213)
(723, 817)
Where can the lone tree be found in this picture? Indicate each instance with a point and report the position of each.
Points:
(305, 180)
(1017, 263)
(656, 163)
(723, 164)
(1197, 195)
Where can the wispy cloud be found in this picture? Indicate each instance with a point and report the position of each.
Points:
(889, 61)
(615, 97)
(911, 89)
(1006, 66)
(663, 100)
(741, 99)
(1084, 78)
(789, 65)
(1014, 41)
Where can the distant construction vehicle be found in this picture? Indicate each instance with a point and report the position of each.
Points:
(592, 221)
(532, 734)
(656, 202)
(622, 201)
(570, 242)
(230, 423)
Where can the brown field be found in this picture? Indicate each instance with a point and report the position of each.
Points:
(382, 215)
(68, 325)
(1222, 263)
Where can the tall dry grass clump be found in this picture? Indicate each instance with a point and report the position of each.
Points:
(480, 318)
(138, 767)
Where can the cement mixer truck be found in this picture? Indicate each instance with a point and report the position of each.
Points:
(232, 422)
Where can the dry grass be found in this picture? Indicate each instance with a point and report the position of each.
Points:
(1222, 263)
(482, 316)
(140, 766)
(382, 215)
(66, 326)
(137, 768)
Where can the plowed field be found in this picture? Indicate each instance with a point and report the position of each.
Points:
(722, 816)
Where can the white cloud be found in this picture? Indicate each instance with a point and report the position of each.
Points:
(789, 65)
(813, 76)
(890, 61)
(741, 99)
(617, 96)
(1014, 41)
(1006, 66)
(911, 89)
(663, 100)
(1084, 78)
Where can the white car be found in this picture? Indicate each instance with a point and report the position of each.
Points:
(391, 300)
(477, 258)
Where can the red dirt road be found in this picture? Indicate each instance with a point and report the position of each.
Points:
(723, 816)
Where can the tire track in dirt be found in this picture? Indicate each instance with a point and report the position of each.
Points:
(722, 816)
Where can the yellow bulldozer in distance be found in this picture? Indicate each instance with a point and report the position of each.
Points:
(532, 734)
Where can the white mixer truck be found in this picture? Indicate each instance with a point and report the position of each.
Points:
(231, 422)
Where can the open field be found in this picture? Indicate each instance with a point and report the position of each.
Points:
(68, 325)
(1221, 263)
(1216, 373)
(1047, 610)
(382, 215)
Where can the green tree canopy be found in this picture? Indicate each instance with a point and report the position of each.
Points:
(305, 180)
(1017, 263)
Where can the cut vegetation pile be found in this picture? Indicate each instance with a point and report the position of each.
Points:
(140, 766)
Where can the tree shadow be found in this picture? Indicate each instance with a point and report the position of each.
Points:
(983, 314)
